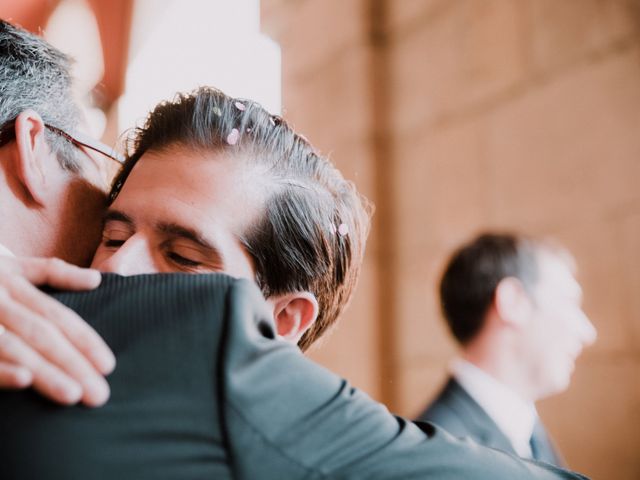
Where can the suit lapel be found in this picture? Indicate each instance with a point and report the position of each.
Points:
(542, 446)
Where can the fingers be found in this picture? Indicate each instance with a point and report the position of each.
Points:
(59, 370)
(56, 273)
(14, 377)
(47, 379)
(81, 336)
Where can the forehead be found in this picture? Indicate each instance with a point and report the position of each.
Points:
(199, 189)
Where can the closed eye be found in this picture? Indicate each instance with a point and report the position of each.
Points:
(110, 243)
(182, 261)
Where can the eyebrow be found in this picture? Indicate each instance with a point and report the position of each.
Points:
(117, 216)
(175, 230)
(194, 236)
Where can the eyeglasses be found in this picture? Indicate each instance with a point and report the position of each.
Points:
(86, 141)
(8, 133)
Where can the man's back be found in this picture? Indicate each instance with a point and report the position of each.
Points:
(163, 418)
(203, 390)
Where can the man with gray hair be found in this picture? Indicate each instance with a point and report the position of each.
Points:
(52, 196)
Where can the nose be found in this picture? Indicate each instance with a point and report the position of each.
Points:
(587, 330)
(134, 257)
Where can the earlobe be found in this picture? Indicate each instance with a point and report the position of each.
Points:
(31, 149)
(512, 302)
(294, 314)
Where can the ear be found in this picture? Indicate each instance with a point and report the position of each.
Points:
(294, 313)
(32, 152)
(512, 302)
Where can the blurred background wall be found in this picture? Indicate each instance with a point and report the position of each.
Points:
(461, 115)
(453, 116)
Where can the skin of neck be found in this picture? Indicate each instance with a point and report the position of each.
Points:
(26, 229)
(495, 350)
(66, 225)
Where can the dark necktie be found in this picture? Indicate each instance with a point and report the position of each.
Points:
(541, 446)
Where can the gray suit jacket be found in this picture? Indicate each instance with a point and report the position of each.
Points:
(204, 390)
(458, 413)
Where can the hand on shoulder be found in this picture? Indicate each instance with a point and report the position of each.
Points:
(44, 344)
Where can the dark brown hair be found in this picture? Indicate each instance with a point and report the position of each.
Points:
(312, 231)
(470, 279)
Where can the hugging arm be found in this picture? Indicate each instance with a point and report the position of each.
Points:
(204, 389)
(44, 344)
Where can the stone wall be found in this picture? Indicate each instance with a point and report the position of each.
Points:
(460, 115)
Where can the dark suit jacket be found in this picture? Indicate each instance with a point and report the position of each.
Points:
(203, 390)
(459, 414)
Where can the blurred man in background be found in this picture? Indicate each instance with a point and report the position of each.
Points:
(514, 306)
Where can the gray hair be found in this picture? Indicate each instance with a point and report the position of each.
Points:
(35, 75)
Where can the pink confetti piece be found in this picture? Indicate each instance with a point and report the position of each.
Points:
(233, 136)
(240, 106)
(343, 229)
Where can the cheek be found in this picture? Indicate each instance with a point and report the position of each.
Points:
(100, 257)
(82, 222)
(544, 338)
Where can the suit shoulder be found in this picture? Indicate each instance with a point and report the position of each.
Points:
(443, 410)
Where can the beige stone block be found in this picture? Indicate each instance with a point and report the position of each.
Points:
(270, 13)
(420, 331)
(333, 106)
(441, 187)
(568, 150)
(629, 282)
(595, 423)
(596, 246)
(351, 348)
(418, 385)
(440, 202)
(405, 14)
(354, 158)
(566, 31)
(318, 31)
(462, 58)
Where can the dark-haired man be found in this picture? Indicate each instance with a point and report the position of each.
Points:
(217, 184)
(514, 306)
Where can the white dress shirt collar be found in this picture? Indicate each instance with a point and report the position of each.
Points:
(514, 416)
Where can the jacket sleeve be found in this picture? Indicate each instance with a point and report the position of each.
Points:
(287, 417)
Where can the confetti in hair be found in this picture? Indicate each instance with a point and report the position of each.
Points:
(217, 111)
(233, 136)
(343, 229)
(240, 106)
